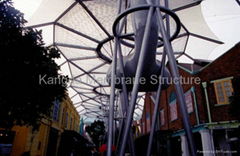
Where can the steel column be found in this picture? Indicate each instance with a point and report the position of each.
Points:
(136, 82)
(112, 100)
(178, 86)
(130, 141)
(156, 106)
(126, 102)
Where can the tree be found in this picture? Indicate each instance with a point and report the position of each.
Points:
(29, 76)
(96, 131)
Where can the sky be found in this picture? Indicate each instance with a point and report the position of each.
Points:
(28, 7)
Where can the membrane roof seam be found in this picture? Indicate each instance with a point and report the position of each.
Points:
(84, 72)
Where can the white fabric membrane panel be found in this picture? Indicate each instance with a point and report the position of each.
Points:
(199, 48)
(65, 70)
(61, 60)
(74, 70)
(47, 34)
(94, 102)
(74, 46)
(74, 53)
(88, 64)
(193, 20)
(184, 59)
(84, 98)
(101, 78)
(64, 36)
(71, 92)
(49, 11)
(80, 109)
(79, 84)
(76, 99)
(179, 45)
(102, 69)
(88, 79)
(80, 89)
(78, 19)
(174, 4)
(91, 106)
(105, 11)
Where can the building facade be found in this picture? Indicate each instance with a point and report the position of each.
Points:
(45, 141)
(207, 88)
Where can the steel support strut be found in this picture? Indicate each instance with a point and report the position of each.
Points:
(112, 95)
(124, 94)
(125, 102)
(123, 121)
(157, 99)
(112, 101)
(136, 82)
(178, 86)
(156, 106)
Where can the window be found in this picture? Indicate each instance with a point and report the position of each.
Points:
(66, 122)
(148, 121)
(223, 90)
(172, 97)
(63, 115)
(71, 123)
(56, 107)
(39, 145)
(143, 128)
(173, 110)
(162, 119)
(173, 106)
(188, 99)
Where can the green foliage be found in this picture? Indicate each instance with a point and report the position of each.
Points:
(96, 131)
(24, 59)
